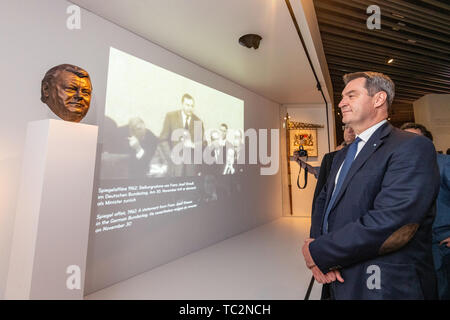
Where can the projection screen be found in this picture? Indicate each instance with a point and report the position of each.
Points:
(169, 172)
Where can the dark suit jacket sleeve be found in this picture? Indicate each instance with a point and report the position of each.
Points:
(409, 187)
(323, 175)
(318, 206)
(324, 172)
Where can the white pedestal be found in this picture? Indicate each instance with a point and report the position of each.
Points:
(53, 211)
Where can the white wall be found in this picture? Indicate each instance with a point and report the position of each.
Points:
(433, 111)
(302, 199)
(35, 38)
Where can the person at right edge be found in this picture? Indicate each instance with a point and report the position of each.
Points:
(371, 226)
(441, 225)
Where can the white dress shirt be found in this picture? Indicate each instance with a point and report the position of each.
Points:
(364, 136)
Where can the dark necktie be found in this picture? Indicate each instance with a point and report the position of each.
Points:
(186, 124)
(344, 170)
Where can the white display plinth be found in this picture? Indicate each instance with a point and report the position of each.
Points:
(53, 211)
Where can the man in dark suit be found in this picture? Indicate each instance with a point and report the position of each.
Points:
(324, 172)
(325, 166)
(371, 227)
(186, 120)
(441, 224)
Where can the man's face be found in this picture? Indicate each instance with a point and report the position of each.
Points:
(137, 128)
(188, 106)
(416, 131)
(349, 135)
(223, 132)
(69, 96)
(356, 105)
(215, 139)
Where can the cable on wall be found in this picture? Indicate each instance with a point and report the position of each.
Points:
(318, 85)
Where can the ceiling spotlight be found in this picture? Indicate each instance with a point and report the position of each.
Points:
(250, 40)
(390, 60)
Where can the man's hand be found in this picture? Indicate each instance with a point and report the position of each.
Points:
(134, 143)
(446, 242)
(318, 275)
(326, 278)
(307, 255)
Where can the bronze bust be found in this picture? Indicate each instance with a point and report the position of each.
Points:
(66, 89)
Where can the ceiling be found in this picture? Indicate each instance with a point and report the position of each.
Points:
(206, 32)
(416, 34)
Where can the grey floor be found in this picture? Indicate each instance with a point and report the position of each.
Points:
(263, 263)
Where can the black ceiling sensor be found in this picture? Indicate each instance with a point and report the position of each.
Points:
(250, 40)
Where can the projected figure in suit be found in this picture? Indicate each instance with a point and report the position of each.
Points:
(214, 154)
(142, 145)
(182, 119)
(223, 134)
(216, 147)
(128, 151)
(235, 153)
(371, 226)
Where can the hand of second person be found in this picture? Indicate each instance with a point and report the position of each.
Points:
(446, 242)
(134, 143)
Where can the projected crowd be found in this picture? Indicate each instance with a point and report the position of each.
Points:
(134, 151)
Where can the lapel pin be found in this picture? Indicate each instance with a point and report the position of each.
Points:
(374, 145)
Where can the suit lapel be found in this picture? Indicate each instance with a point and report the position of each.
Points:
(375, 141)
(180, 123)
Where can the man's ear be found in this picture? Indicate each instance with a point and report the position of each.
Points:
(380, 98)
(45, 90)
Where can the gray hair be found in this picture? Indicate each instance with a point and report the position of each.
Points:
(134, 121)
(375, 82)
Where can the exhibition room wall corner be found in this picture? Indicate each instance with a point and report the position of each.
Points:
(302, 198)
